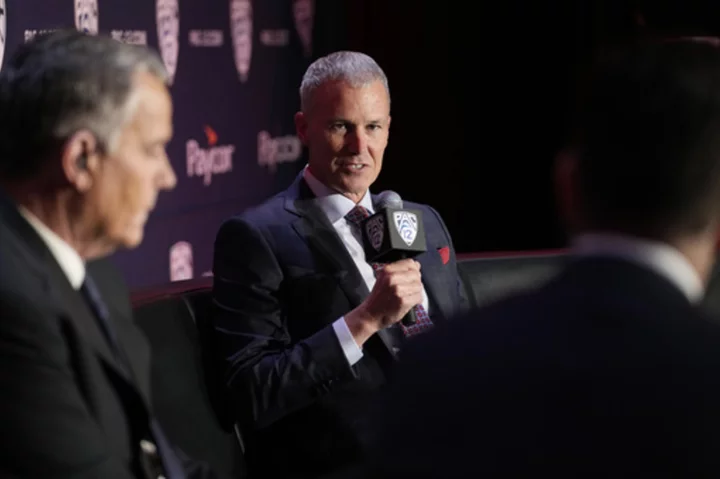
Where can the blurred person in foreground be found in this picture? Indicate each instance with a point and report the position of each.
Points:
(84, 121)
(305, 330)
(611, 369)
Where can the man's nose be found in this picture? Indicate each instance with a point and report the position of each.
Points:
(357, 141)
(167, 177)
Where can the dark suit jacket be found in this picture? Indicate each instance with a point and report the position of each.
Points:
(68, 409)
(282, 276)
(608, 371)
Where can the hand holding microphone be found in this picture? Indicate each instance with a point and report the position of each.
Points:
(398, 288)
(391, 237)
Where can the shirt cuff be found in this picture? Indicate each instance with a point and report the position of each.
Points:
(352, 351)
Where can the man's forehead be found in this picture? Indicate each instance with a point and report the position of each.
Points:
(149, 86)
(336, 94)
(151, 95)
(152, 114)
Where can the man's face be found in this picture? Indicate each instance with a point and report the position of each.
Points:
(128, 180)
(346, 131)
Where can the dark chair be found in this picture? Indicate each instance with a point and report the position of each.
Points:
(188, 399)
(491, 277)
(180, 392)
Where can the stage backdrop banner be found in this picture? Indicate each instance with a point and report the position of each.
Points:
(235, 68)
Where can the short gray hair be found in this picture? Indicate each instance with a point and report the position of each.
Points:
(353, 67)
(62, 82)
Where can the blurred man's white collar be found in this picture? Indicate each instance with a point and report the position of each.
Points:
(335, 205)
(657, 256)
(69, 260)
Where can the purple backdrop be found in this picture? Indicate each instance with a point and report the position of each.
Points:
(236, 66)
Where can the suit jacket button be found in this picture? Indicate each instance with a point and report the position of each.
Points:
(148, 447)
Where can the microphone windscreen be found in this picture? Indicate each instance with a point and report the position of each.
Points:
(388, 199)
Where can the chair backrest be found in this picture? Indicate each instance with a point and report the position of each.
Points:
(490, 277)
(199, 303)
(180, 392)
(186, 394)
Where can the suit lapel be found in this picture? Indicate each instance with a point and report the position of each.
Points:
(71, 304)
(115, 297)
(314, 228)
(80, 314)
(136, 362)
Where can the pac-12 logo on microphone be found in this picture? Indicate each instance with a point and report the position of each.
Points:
(374, 228)
(406, 224)
(3, 29)
(168, 29)
(86, 16)
(241, 28)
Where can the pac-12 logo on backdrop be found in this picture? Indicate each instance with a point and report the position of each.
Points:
(304, 14)
(168, 29)
(3, 29)
(87, 16)
(241, 29)
(181, 261)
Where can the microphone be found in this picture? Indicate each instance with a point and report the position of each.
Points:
(392, 234)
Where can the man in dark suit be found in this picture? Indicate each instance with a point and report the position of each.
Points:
(305, 327)
(610, 369)
(83, 125)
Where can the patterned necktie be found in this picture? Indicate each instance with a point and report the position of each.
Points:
(423, 322)
(171, 463)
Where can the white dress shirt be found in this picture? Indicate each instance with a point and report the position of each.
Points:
(659, 257)
(336, 207)
(69, 260)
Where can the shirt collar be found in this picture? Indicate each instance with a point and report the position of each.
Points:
(660, 257)
(334, 204)
(69, 260)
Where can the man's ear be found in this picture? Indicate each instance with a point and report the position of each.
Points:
(301, 127)
(80, 160)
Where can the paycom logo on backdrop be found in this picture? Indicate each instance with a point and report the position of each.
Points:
(87, 16)
(273, 151)
(206, 162)
(168, 30)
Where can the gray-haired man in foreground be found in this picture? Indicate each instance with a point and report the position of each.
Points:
(84, 121)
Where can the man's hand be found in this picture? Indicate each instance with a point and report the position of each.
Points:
(398, 288)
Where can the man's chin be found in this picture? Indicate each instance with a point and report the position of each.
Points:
(130, 239)
(355, 185)
(134, 241)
